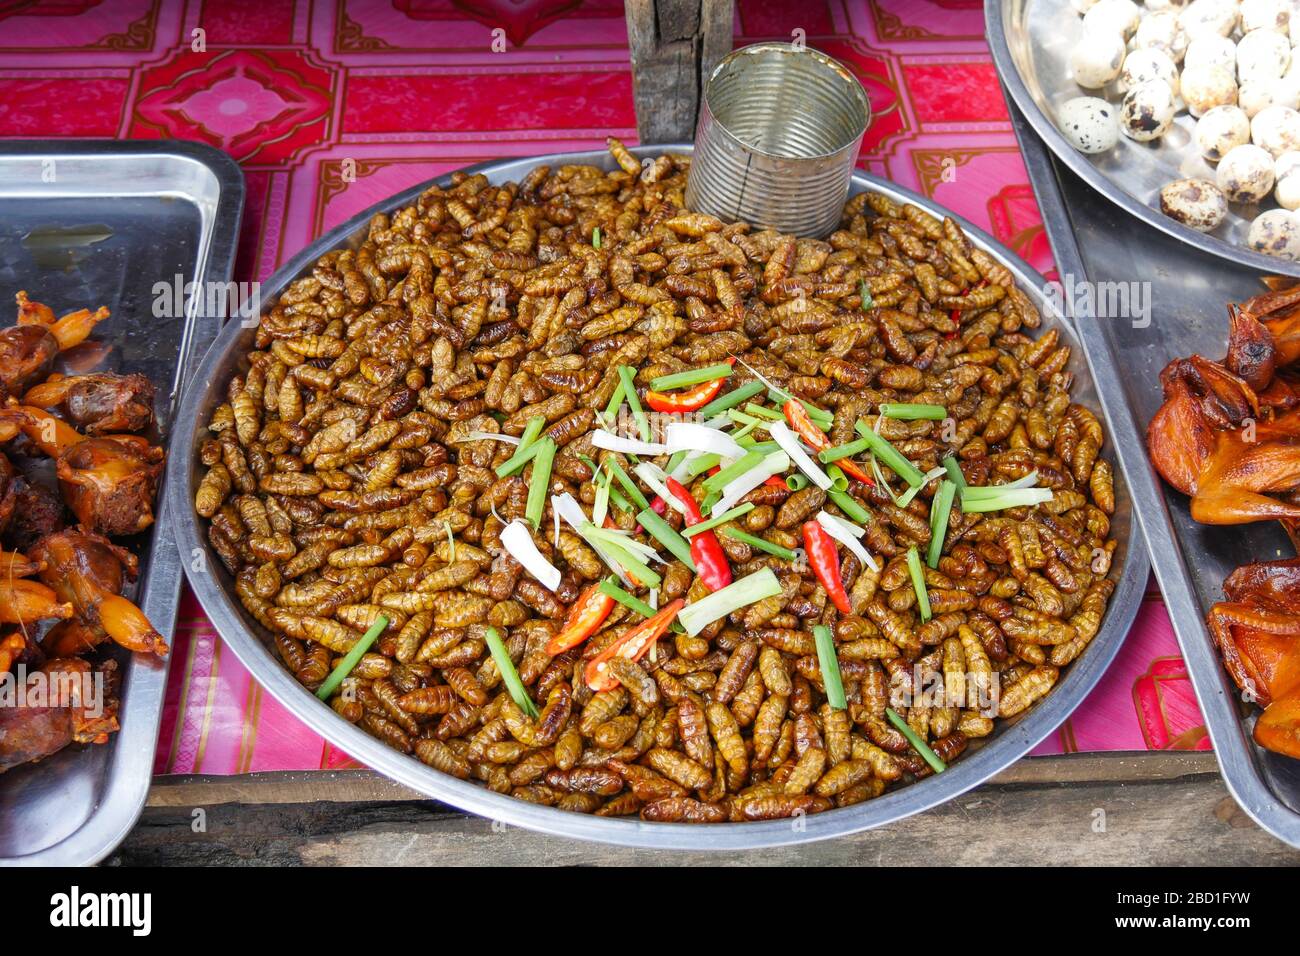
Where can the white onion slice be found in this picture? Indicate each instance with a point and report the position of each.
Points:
(688, 436)
(628, 446)
(847, 534)
(567, 507)
(790, 443)
(518, 542)
(679, 473)
(652, 476)
(737, 488)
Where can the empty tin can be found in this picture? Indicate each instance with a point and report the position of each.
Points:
(779, 131)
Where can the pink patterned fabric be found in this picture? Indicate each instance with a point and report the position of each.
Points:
(409, 89)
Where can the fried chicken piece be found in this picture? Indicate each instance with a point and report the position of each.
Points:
(82, 708)
(109, 483)
(99, 403)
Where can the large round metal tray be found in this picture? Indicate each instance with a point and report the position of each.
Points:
(250, 642)
(1031, 42)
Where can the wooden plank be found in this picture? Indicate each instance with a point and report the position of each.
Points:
(1186, 819)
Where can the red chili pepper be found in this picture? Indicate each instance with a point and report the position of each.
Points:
(685, 401)
(776, 481)
(955, 314)
(825, 562)
(706, 551)
(633, 645)
(585, 618)
(798, 418)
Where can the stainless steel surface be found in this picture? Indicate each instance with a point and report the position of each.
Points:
(1031, 42)
(778, 135)
(248, 641)
(1189, 294)
(89, 223)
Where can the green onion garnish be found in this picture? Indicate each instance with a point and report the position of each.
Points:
(919, 745)
(733, 471)
(526, 449)
(731, 399)
(911, 412)
(890, 455)
(540, 482)
(843, 451)
(702, 463)
(762, 411)
(628, 484)
(849, 505)
(830, 666)
(940, 512)
(344, 667)
(692, 377)
(955, 474)
(839, 480)
(595, 238)
(629, 392)
(625, 598)
(615, 402)
(624, 551)
(796, 481)
(762, 544)
(749, 421)
(918, 582)
(1000, 498)
(710, 523)
(508, 673)
(532, 430)
(749, 590)
(867, 301)
(663, 532)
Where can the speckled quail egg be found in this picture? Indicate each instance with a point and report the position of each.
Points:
(1210, 49)
(1090, 124)
(1286, 174)
(1205, 87)
(1245, 174)
(1262, 55)
(1275, 233)
(1276, 129)
(1147, 111)
(1222, 130)
(1118, 17)
(1162, 31)
(1097, 59)
(1140, 66)
(1261, 94)
(1209, 16)
(1264, 15)
(1197, 203)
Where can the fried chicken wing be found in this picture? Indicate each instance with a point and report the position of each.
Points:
(100, 403)
(79, 706)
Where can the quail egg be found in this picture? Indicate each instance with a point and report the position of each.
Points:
(1147, 111)
(1222, 130)
(1117, 17)
(1209, 16)
(1264, 15)
(1090, 124)
(1141, 66)
(1162, 31)
(1097, 59)
(1258, 95)
(1205, 87)
(1286, 172)
(1210, 49)
(1275, 233)
(1245, 174)
(1276, 129)
(1197, 203)
(1262, 55)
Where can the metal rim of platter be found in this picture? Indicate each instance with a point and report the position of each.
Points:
(1003, 20)
(1012, 740)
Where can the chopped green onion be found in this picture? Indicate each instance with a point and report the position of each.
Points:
(532, 430)
(910, 412)
(710, 523)
(843, 451)
(731, 399)
(766, 447)
(344, 667)
(849, 505)
(865, 293)
(762, 411)
(663, 532)
(749, 421)
(625, 598)
(918, 582)
(615, 402)
(830, 666)
(955, 474)
(508, 673)
(919, 745)
(628, 484)
(621, 549)
(595, 238)
(692, 377)
(890, 455)
(540, 482)
(702, 463)
(940, 512)
(526, 450)
(1003, 499)
(839, 480)
(796, 481)
(734, 470)
(749, 590)
(906, 497)
(638, 413)
(600, 506)
(756, 542)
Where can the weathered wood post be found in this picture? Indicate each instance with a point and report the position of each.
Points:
(675, 45)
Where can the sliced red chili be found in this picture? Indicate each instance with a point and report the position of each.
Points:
(798, 418)
(687, 400)
(706, 550)
(825, 562)
(585, 618)
(633, 645)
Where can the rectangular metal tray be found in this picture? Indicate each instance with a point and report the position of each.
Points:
(90, 223)
(1096, 241)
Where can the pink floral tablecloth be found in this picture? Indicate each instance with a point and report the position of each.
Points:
(303, 93)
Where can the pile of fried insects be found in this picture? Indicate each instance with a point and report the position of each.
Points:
(618, 508)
